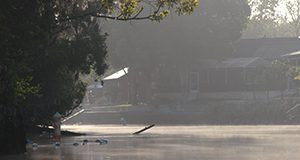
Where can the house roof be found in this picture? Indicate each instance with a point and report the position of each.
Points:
(266, 48)
(248, 62)
(293, 54)
(244, 63)
(117, 74)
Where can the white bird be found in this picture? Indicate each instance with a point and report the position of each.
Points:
(35, 146)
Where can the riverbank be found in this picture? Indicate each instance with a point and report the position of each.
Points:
(275, 112)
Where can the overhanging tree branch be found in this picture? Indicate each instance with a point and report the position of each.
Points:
(119, 17)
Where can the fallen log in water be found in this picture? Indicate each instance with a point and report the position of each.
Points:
(144, 129)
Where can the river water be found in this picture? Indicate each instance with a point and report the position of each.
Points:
(174, 143)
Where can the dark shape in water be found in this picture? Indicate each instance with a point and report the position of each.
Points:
(144, 129)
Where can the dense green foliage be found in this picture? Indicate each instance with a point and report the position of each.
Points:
(40, 62)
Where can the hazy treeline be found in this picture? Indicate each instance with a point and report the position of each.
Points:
(273, 18)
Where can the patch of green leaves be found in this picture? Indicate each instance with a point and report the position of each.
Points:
(24, 88)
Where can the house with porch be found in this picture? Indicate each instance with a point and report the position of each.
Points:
(248, 70)
(248, 73)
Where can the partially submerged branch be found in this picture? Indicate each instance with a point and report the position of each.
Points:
(144, 129)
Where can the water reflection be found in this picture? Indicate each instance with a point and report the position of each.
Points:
(178, 143)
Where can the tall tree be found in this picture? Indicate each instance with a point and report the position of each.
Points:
(264, 19)
(293, 15)
(263, 9)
